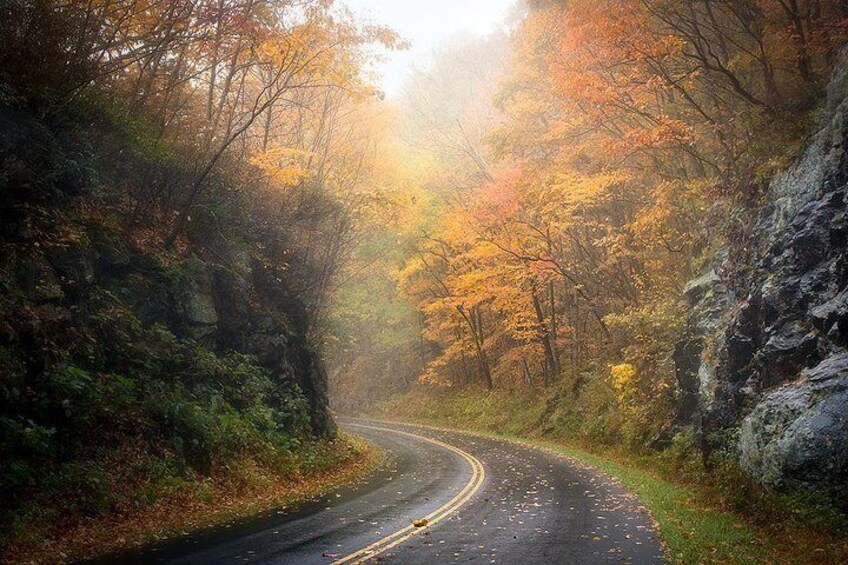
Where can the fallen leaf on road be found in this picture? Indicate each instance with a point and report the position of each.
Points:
(420, 523)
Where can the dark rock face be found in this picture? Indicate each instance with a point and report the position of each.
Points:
(798, 434)
(771, 319)
(197, 303)
(214, 307)
(223, 307)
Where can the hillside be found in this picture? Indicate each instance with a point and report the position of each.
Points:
(162, 271)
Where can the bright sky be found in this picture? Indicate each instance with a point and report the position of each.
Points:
(427, 23)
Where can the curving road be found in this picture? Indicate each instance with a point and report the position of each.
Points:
(485, 501)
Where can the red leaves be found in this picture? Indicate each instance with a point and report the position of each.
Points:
(499, 199)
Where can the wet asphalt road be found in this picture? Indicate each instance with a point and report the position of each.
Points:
(489, 501)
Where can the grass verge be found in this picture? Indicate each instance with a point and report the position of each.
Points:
(230, 494)
(717, 518)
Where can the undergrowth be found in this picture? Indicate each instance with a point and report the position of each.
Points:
(150, 501)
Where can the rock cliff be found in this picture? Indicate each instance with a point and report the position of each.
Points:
(769, 324)
(193, 354)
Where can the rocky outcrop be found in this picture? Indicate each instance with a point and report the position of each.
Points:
(769, 321)
(224, 307)
(197, 303)
(799, 432)
(214, 294)
(214, 307)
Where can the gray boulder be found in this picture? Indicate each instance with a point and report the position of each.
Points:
(798, 434)
(197, 303)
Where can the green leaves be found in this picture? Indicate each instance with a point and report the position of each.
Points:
(71, 381)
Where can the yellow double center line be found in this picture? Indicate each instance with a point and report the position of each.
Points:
(478, 475)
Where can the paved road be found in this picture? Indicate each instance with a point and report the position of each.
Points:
(486, 501)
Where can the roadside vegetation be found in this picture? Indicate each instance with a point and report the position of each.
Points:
(146, 506)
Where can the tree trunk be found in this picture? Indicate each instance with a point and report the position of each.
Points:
(554, 327)
(479, 339)
(545, 339)
(528, 378)
(475, 326)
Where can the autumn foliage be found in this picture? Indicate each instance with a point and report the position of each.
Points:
(524, 218)
(571, 203)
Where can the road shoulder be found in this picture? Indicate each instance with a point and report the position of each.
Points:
(695, 523)
(198, 507)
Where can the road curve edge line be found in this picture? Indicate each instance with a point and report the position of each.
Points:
(478, 475)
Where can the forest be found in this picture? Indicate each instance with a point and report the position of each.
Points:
(616, 224)
(567, 181)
